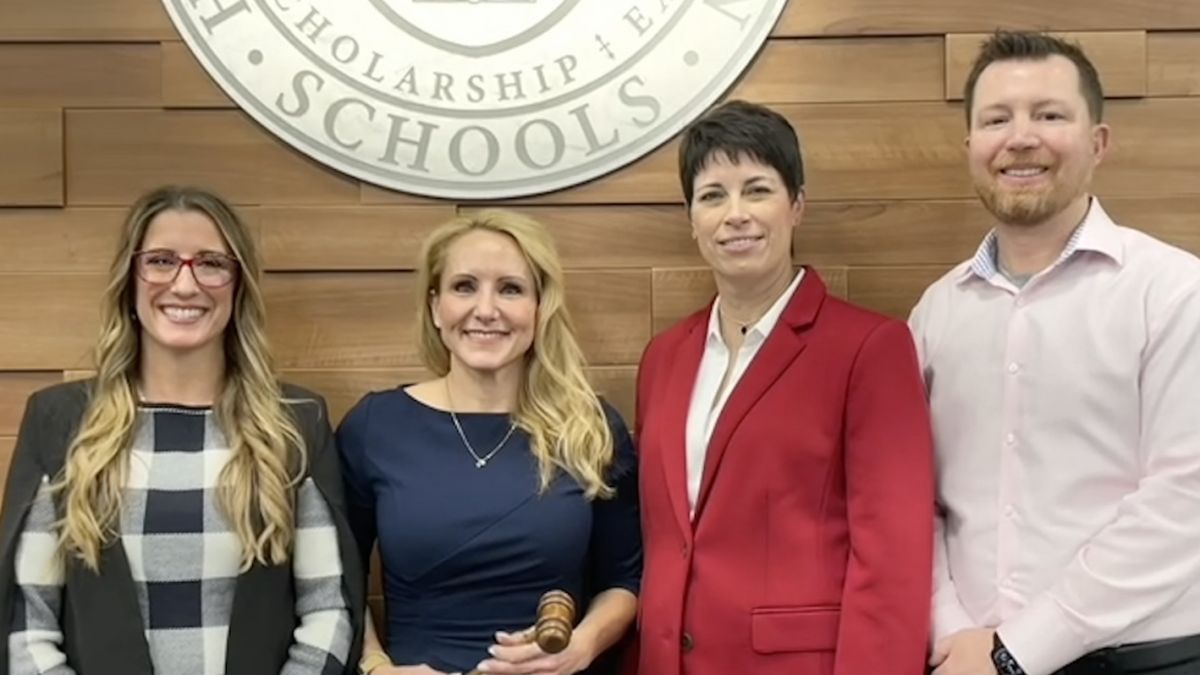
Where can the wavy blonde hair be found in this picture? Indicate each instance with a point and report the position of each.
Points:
(556, 405)
(256, 487)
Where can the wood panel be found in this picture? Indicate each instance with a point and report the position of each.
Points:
(343, 388)
(341, 320)
(852, 151)
(922, 17)
(679, 292)
(1119, 58)
(345, 237)
(611, 312)
(85, 75)
(893, 232)
(1174, 64)
(113, 156)
(375, 585)
(882, 150)
(617, 385)
(32, 171)
(885, 151)
(374, 194)
(15, 388)
(893, 291)
(84, 21)
(59, 240)
(1156, 149)
(1172, 219)
(618, 236)
(185, 84)
(653, 179)
(48, 321)
(818, 71)
(948, 232)
(7, 445)
(107, 20)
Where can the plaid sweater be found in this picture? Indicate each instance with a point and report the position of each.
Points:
(184, 560)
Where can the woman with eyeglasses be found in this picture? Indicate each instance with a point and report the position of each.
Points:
(180, 513)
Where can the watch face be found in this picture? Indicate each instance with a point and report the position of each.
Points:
(1005, 663)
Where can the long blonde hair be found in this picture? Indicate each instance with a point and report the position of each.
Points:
(268, 454)
(556, 405)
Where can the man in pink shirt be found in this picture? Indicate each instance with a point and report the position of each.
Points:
(1063, 370)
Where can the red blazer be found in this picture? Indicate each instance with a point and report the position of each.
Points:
(811, 548)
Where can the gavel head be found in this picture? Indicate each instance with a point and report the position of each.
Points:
(555, 620)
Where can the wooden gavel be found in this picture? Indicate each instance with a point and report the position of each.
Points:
(555, 621)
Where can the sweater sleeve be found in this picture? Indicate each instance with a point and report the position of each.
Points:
(323, 636)
(35, 640)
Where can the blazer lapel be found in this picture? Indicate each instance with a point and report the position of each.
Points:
(783, 345)
(677, 399)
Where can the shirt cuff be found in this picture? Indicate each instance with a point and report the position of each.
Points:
(1040, 637)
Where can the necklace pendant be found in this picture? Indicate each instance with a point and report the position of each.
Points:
(479, 463)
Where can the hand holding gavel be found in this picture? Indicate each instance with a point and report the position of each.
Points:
(555, 621)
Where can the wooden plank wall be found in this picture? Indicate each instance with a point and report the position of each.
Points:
(99, 100)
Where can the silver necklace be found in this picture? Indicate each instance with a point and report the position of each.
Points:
(480, 462)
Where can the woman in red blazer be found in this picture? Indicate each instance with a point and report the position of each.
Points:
(785, 449)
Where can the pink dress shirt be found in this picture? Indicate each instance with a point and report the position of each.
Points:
(1067, 430)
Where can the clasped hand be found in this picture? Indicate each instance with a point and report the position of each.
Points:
(518, 654)
(967, 652)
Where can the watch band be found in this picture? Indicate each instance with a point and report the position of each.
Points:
(1004, 662)
(372, 661)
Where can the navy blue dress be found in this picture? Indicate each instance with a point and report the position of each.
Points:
(468, 551)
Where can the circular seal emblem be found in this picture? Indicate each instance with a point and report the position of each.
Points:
(475, 99)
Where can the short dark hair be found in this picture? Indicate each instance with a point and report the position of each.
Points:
(1035, 46)
(740, 129)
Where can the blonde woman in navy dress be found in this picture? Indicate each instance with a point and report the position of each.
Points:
(500, 479)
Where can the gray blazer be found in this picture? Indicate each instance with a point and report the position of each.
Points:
(101, 620)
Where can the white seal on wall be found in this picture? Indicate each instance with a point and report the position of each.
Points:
(475, 99)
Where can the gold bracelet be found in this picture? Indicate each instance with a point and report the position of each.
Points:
(372, 661)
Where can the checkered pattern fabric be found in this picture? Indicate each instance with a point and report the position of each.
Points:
(184, 559)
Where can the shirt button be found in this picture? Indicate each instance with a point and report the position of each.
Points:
(1010, 511)
(684, 550)
(686, 642)
(1014, 367)
(1010, 438)
(1020, 301)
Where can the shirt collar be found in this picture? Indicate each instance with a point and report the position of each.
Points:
(763, 326)
(1097, 233)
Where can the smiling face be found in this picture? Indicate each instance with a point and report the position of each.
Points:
(1032, 146)
(743, 218)
(182, 315)
(486, 304)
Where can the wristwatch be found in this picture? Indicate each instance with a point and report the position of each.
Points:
(372, 661)
(1003, 660)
